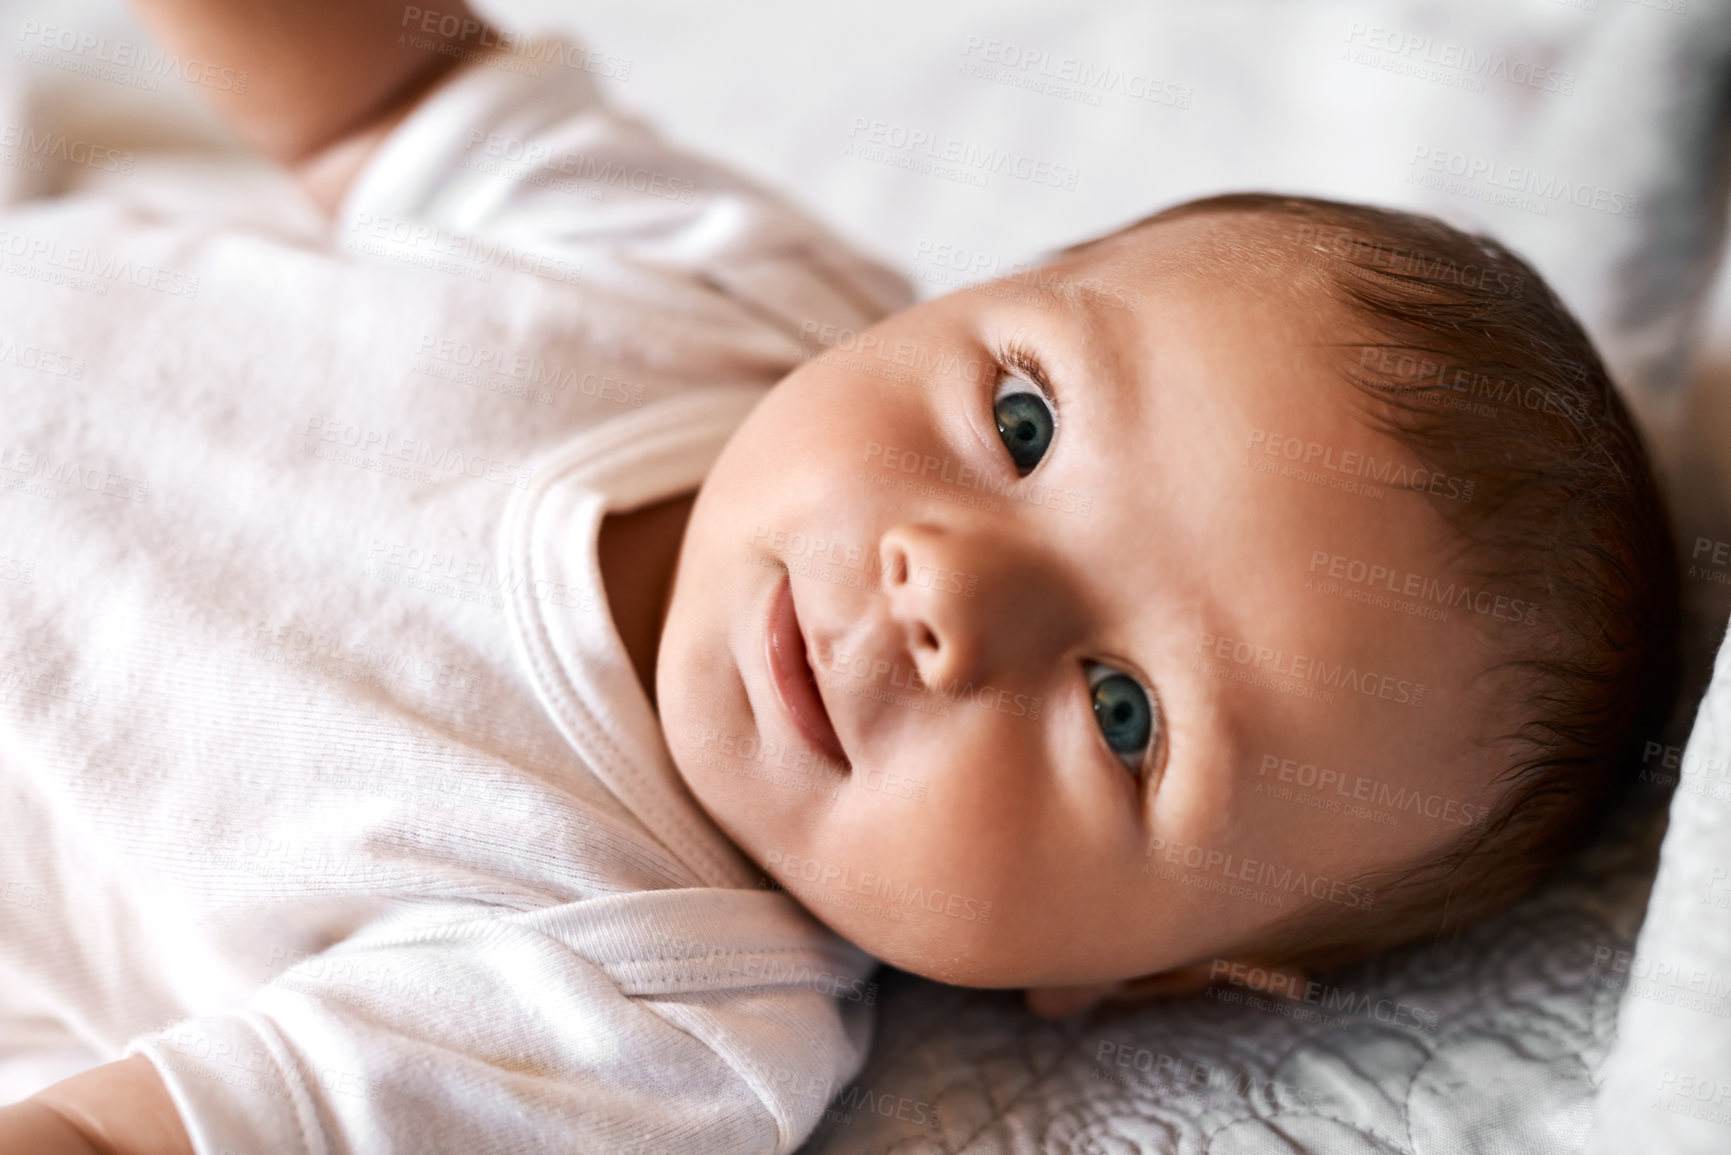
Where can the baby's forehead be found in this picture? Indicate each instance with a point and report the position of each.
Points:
(1230, 259)
(1218, 235)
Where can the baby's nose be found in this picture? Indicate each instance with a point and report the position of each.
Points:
(966, 608)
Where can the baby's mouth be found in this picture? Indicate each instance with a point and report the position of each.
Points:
(795, 683)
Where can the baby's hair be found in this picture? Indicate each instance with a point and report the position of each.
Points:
(1475, 366)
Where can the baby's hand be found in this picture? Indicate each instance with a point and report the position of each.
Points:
(116, 1109)
(325, 79)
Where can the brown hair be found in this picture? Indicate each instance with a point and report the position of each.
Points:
(1477, 368)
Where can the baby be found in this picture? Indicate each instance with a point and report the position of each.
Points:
(1270, 582)
(1310, 605)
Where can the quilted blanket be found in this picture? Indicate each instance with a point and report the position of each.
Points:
(1492, 1043)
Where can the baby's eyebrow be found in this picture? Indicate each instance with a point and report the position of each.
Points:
(1055, 286)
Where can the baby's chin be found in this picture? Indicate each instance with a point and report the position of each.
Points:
(986, 955)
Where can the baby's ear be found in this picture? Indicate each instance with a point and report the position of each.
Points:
(1057, 1002)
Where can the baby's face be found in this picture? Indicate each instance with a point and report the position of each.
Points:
(1098, 693)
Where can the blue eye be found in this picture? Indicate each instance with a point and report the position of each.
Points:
(1123, 712)
(1025, 424)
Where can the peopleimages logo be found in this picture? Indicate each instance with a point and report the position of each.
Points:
(416, 242)
(1378, 577)
(967, 160)
(1358, 788)
(951, 266)
(793, 546)
(450, 460)
(540, 161)
(474, 38)
(900, 893)
(542, 379)
(86, 270)
(766, 965)
(1176, 1071)
(1356, 465)
(1428, 58)
(1352, 245)
(1513, 186)
(31, 147)
(1065, 77)
(120, 53)
(28, 463)
(1306, 668)
(1204, 860)
(1330, 999)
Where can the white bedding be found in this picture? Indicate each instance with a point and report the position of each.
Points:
(1668, 1084)
(1492, 1045)
(1305, 96)
(1540, 102)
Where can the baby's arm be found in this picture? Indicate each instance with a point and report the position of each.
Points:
(326, 80)
(116, 1109)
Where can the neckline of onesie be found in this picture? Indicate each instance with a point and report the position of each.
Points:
(548, 553)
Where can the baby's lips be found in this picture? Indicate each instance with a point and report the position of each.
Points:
(791, 670)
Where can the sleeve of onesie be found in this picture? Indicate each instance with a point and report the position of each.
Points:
(674, 1020)
(516, 162)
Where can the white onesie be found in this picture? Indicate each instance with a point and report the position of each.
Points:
(325, 781)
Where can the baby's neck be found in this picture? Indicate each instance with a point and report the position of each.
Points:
(638, 551)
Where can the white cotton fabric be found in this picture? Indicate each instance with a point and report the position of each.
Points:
(1666, 1087)
(325, 782)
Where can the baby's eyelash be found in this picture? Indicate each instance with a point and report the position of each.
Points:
(1020, 359)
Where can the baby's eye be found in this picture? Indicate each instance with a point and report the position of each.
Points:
(1024, 422)
(1123, 712)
